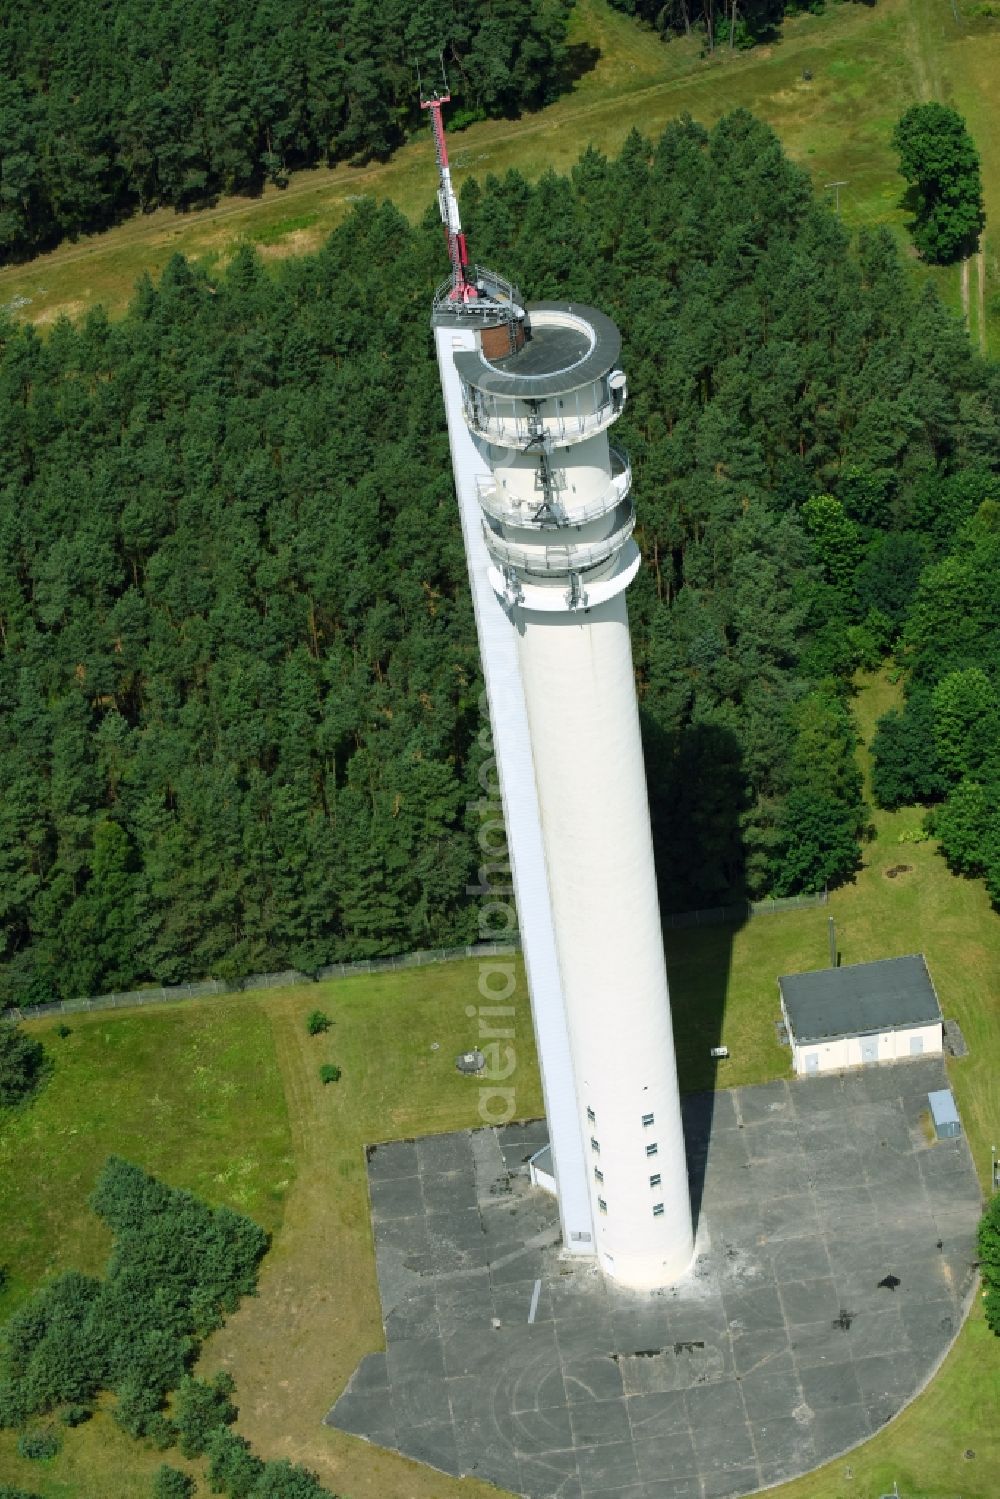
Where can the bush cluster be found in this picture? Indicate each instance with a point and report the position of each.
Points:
(171, 1483)
(38, 1444)
(22, 1065)
(177, 1266)
(989, 1262)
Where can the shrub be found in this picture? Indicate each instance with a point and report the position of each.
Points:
(63, 1030)
(330, 1073)
(281, 1479)
(232, 1467)
(989, 1261)
(22, 1063)
(6, 1492)
(201, 1407)
(139, 1409)
(75, 1415)
(171, 1483)
(38, 1445)
(318, 1022)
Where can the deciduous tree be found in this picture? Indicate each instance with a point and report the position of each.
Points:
(939, 160)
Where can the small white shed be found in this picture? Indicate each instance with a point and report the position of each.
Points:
(861, 1014)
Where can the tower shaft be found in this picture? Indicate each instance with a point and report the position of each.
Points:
(515, 771)
(584, 724)
(547, 517)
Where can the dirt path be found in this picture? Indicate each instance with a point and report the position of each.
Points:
(922, 59)
(965, 292)
(276, 1343)
(292, 1347)
(981, 299)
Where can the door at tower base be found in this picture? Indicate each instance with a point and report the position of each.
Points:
(541, 1172)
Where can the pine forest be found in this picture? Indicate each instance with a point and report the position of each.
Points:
(239, 685)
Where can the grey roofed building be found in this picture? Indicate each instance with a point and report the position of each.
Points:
(859, 999)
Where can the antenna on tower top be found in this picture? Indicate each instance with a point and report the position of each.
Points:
(462, 289)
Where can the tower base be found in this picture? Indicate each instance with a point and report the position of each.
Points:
(539, 1374)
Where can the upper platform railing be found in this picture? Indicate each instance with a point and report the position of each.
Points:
(500, 506)
(524, 432)
(567, 557)
(497, 297)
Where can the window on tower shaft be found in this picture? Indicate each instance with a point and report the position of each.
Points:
(647, 1120)
(595, 1145)
(591, 1116)
(654, 1181)
(602, 1205)
(657, 1209)
(598, 1174)
(652, 1149)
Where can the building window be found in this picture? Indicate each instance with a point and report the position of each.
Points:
(602, 1206)
(647, 1120)
(592, 1117)
(657, 1209)
(652, 1149)
(598, 1174)
(654, 1181)
(595, 1145)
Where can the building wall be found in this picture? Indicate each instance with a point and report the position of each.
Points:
(852, 1051)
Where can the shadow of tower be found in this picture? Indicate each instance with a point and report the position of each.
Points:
(697, 793)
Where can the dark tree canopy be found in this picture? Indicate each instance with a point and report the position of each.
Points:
(938, 158)
(730, 23)
(944, 747)
(108, 109)
(171, 1483)
(238, 667)
(22, 1063)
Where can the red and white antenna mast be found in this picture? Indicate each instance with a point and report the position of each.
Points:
(462, 289)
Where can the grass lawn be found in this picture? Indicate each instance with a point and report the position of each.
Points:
(192, 1093)
(868, 63)
(224, 1096)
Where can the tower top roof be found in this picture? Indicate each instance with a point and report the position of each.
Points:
(568, 345)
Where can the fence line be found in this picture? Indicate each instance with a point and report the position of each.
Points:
(744, 911)
(714, 915)
(170, 994)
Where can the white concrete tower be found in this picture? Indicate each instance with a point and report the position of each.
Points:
(530, 394)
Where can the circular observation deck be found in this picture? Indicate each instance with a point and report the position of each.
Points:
(557, 386)
(567, 346)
